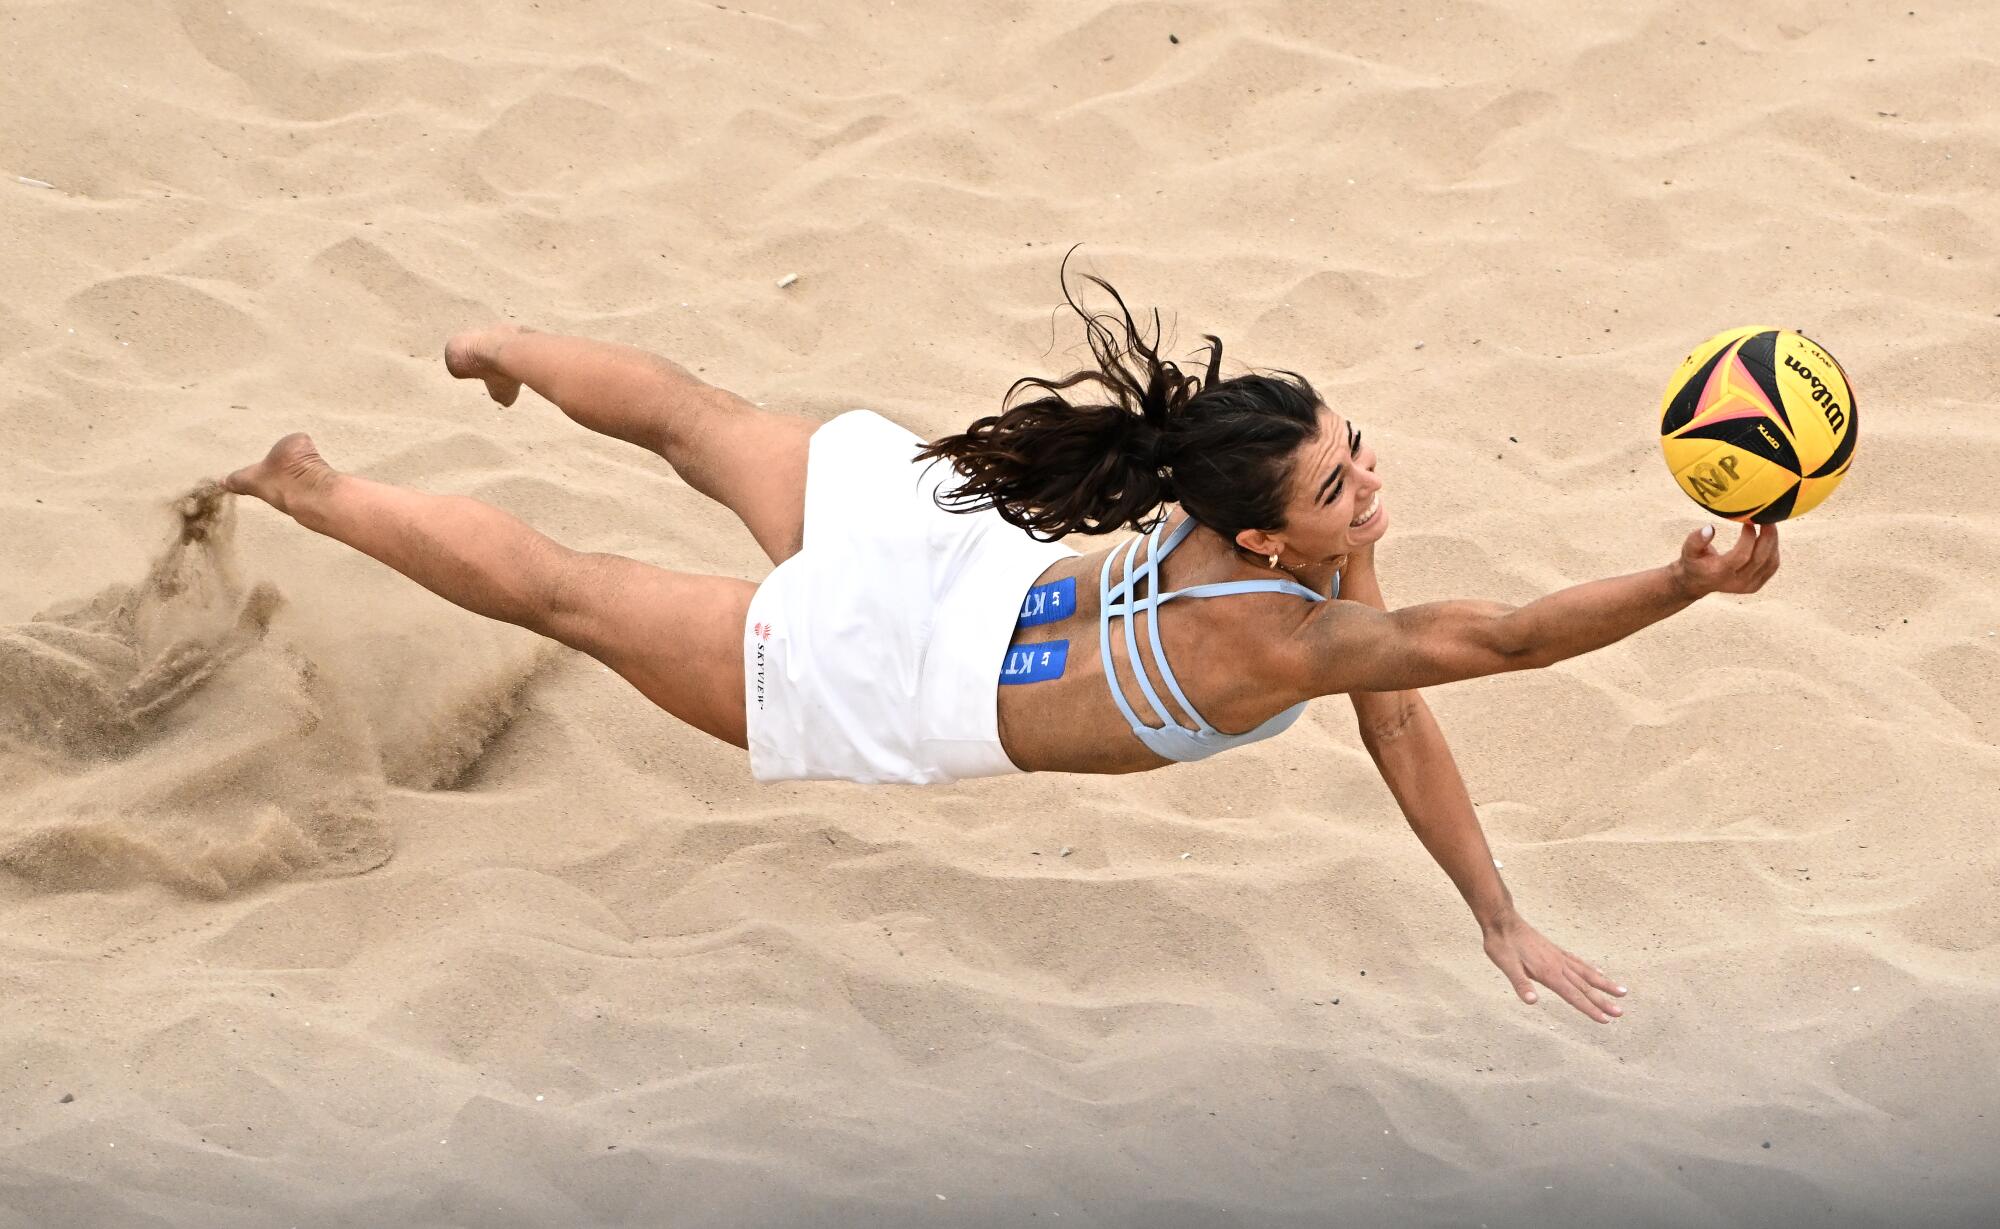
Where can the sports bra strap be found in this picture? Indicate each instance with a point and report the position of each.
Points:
(1149, 574)
(1223, 588)
(1174, 539)
(1138, 563)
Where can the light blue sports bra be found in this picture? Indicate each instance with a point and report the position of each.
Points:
(1173, 740)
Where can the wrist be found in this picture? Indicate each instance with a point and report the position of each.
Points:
(1683, 582)
(1496, 919)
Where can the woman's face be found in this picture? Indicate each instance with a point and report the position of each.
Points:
(1333, 486)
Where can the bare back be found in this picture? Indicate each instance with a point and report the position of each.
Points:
(1233, 656)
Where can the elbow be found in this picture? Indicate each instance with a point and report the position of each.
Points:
(1514, 646)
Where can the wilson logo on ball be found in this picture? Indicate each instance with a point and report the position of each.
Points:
(1835, 416)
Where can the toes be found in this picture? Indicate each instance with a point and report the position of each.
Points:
(503, 391)
(291, 459)
(243, 481)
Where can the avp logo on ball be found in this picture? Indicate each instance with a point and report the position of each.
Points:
(1710, 479)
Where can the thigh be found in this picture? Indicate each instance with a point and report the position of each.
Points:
(751, 460)
(676, 636)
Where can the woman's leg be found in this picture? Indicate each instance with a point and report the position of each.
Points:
(678, 638)
(751, 460)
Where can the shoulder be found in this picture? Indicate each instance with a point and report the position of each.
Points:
(1317, 658)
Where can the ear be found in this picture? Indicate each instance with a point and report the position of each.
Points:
(1259, 543)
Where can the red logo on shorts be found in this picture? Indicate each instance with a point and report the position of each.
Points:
(763, 630)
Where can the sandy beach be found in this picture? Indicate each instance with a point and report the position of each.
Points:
(323, 902)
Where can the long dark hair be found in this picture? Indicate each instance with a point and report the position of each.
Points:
(1150, 434)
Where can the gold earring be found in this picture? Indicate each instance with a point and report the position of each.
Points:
(1274, 561)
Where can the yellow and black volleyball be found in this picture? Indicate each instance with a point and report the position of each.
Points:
(1758, 424)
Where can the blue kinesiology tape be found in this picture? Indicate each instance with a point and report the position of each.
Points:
(1048, 603)
(1034, 663)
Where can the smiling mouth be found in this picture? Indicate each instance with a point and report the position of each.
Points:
(1374, 506)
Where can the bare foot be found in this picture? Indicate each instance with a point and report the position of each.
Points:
(291, 469)
(475, 354)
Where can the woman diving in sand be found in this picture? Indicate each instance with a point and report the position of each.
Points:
(925, 623)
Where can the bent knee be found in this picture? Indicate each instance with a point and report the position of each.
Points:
(581, 604)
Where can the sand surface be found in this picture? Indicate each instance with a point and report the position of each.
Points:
(324, 903)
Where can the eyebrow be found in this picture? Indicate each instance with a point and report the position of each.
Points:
(1353, 433)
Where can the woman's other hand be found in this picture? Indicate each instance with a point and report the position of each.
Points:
(1526, 957)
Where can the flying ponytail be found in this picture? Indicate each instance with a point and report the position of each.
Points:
(1147, 434)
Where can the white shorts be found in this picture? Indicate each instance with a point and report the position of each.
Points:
(874, 653)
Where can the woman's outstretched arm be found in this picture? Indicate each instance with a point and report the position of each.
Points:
(1348, 646)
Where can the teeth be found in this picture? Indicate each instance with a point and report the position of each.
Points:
(1374, 505)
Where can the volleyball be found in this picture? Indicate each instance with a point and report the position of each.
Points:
(1758, 424)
